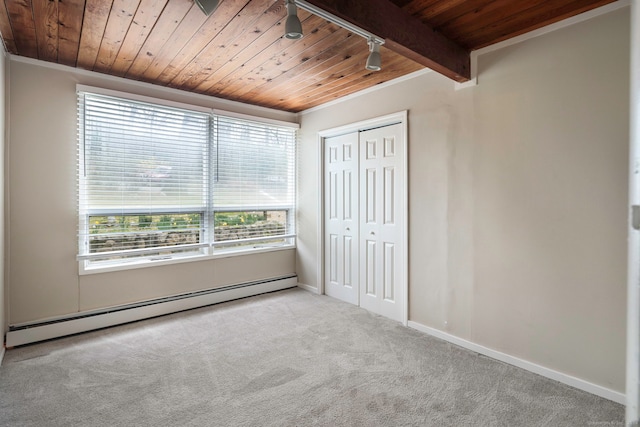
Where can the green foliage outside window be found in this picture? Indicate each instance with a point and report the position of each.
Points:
(238, 218)
(143, 223)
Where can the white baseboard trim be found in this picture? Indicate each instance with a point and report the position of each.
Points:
(118, 316)
(526, 365)
(309, 288)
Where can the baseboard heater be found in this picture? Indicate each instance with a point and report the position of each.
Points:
(97, 319)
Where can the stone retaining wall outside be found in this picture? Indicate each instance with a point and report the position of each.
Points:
(151, 239)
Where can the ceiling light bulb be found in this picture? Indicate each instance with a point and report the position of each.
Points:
(207, 6)
(293, 26)
(374, 62)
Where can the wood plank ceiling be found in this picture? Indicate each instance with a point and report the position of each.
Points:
(239, 52)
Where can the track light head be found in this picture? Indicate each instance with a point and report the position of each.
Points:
(374, 61)
(293, 26)
(207, 6)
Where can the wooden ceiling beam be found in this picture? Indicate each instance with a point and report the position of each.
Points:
(403, 34)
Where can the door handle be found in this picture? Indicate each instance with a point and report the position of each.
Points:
(635, 217)
(372, 233)
(348, 229)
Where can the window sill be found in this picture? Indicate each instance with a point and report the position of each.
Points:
(144, 263)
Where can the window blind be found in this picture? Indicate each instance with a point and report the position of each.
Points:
(253, 179)
(143, 175)
(156, 181)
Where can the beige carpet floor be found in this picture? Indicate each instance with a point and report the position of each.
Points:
(288, 358)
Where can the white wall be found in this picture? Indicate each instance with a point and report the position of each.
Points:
(517, 198)
(633, 267)
(3, 98)
(43, 275)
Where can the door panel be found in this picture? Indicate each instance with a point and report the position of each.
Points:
(370, 195)
(349, 268)
(389, 270)
(370, 268)
(341, 218)
(389, 195)
(333, 258)
(349, 195)
(381, 163)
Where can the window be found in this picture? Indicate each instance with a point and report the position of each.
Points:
(160, 182)
(253, 181)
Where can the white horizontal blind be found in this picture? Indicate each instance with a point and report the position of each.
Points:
(144, 172)
(253, 180)
(156, 181)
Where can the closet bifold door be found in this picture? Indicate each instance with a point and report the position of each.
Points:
(381, 221)
(341, 217)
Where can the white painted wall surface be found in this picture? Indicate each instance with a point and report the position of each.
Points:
(517, 198)
(43, 275)
(3, 291)
(633, 277)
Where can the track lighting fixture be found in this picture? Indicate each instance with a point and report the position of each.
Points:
(293, 26)
(374, 63)
(293, 30)
(207, 6)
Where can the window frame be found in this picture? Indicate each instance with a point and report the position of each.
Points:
(208, 248)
